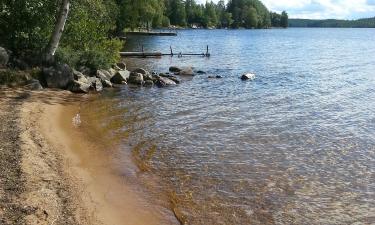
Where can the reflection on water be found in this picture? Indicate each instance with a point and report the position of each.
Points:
(296, 146)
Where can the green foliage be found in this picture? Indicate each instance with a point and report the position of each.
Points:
(85, 41)
(139, 13)
(361, 23)
(25, 25)
(13, 77)
(284, 19)
(249, 14)
(176, 11)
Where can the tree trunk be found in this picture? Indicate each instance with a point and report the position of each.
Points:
(53, 44)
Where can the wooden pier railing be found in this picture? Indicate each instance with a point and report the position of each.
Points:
(144, 54)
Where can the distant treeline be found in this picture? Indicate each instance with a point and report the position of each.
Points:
(361, 23)
(188, 13)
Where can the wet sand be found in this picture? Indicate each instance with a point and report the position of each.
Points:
(65, 178)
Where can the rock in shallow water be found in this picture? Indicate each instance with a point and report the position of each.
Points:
(163, 82)
(104, 77)
(174, 69)
(136, 78)
(248, 76)
(149, 83)
(186, 72)
(215, 77)
(79, 87)
(120, 77)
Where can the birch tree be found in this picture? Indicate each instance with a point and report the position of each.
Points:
(61, 18)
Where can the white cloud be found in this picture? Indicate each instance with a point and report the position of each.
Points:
(322, 9)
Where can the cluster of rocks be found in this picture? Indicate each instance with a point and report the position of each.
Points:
(84, 80)
(81, 81)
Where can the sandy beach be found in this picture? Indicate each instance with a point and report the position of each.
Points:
(52, 174)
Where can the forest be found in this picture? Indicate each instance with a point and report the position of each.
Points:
(360, 23)
(84, 32)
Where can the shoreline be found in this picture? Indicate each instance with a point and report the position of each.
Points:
(66, 178)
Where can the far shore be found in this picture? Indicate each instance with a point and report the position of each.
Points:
(60, 177)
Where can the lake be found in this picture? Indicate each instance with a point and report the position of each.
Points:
(294, 146)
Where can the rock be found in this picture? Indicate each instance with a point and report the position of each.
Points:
(120, 77)
(201, 72)
(149, 83)
(121, 65)
(103, 74)
(58, 77)
(186, 72)
(136, 78)
(34, 85)
(95, 84)
(248, 76)
(4, 57)
(78, 76)
(146, 75)
(105, 77)
(79, 87)
(163, 82)
(174, 69)
(141, 71)
(112, 72)
(215, 77)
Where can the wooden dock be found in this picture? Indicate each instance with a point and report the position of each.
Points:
(144, 54)
(151, 33)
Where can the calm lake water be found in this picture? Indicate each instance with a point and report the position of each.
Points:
(295, 146)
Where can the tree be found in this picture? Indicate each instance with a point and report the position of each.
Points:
(58, 31)
(176, 12)
(284, 19)
(251, 18)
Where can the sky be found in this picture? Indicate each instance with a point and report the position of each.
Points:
(322, 9)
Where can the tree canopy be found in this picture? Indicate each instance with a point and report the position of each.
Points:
(360, 23)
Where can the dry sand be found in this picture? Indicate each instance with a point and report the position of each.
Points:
(51, 174)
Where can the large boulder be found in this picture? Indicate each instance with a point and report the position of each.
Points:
(248, 76)
(4, 57)
(79, 87)
(163, 82)
(105, 77)
(58, 77)
(136, 78)
(187, 72)
(120, 77)
(174, 69)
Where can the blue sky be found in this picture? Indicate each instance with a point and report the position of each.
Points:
(322, 9)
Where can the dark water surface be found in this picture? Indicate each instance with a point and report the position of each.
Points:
(295, 146)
